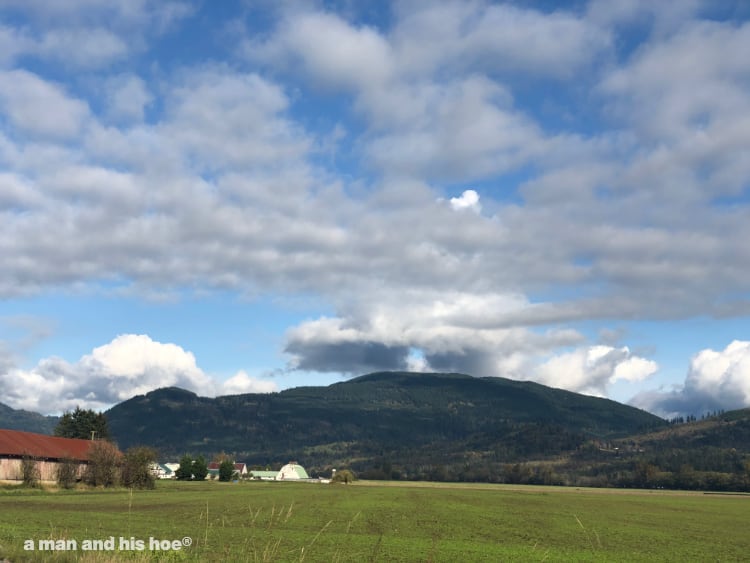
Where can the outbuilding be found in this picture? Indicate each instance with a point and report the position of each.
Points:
(240, 470)
(47, 451)
(292, 471)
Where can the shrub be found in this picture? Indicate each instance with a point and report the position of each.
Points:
(104, 465)
(344, 476)
(136, 468)
(30, 472)
(67, 473)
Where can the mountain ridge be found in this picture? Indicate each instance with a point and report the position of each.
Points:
(19, 419)
(399, 415)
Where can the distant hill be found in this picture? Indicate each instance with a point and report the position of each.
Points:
(379, 420)
(12, 419)
(726, 430)
(709, 454)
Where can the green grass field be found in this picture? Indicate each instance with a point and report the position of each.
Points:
(260, 521)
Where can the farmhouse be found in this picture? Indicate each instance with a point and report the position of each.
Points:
(161, 471)
(240, 470)
(48, 451)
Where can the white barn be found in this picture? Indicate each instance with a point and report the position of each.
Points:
(292, 471)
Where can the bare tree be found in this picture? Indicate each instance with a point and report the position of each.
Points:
(104, 465)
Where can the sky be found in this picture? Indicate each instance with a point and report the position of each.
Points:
(251, 195)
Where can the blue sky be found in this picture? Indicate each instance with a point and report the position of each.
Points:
(246, 196)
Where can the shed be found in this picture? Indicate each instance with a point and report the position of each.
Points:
(47, 451)
(263, 475)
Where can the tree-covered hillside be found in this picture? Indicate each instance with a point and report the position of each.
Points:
(12, 419)
(406, 420)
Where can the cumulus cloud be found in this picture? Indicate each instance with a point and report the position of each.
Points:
(496, 37)
(447, 333)
(127, 97)
(335, 53)
(39, 107)
(85, 35)
(241, 383)
(13, 42)
(467, 200)
(716, 380)
(220, 119)
(129, 365)
(81, 48)
(429, 330)
(628, 203)
(592, 369)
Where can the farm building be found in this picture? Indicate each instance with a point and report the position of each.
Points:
(48, 451)
(291, 471)
(264, 475)
(161, 471)
(240, 470)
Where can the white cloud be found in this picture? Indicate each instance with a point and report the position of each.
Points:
(241, 383)
(119, 14)
(127, 97)
(603, 199)
(450, 332)
(592, 369)
(442, 331)
(457, 130)
(85, 48)
(333, 52)
(221, 119)
(13, 42)
(129, 365)
(469, 199)
(497, 37)
(716, 380)
(39, 107)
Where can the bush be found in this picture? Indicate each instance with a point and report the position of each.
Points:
(67, 473)
(344, 476)
(104, 465)
(30, 472)
(136, 468)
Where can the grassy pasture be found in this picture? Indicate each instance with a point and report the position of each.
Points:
(380, 522)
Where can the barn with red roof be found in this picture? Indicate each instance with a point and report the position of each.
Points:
(47, 451)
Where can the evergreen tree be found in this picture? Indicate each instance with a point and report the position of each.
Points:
(185, 470)
(200, 468)
(81, 423)
(226, 470)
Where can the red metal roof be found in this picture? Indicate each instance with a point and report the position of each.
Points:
(17, 443)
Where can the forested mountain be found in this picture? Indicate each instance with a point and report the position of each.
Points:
(414, 422)
(438, 427)
(12, 419)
